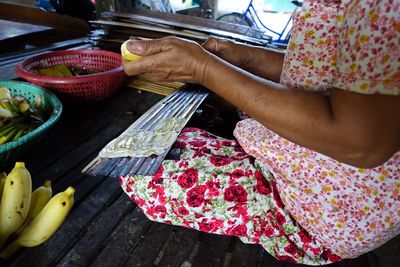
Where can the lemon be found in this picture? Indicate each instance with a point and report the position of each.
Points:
(126, 55)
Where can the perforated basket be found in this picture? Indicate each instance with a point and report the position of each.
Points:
(108, 78)
(50, 105)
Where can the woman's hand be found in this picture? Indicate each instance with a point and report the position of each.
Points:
(232, 52)
(263, 62)
(168, 59)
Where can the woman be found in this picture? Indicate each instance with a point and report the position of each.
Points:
(314, 175)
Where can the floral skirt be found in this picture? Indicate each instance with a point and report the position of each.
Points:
(217, 188)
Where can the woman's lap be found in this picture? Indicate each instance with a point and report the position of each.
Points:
(216, 187)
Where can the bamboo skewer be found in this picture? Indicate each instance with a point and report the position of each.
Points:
(182, 103)
(175, 85)
(162, 88)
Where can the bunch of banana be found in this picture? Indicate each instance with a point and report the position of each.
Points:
(17, 116)
(45, 224)
(30, 218)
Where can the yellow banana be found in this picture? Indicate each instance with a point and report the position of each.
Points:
(45, 224)
(3, 177)
(15, 201)
(39, 199)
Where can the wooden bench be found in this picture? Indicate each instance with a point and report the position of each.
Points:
(105, 228)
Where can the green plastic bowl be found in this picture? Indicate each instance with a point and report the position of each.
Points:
(51, 105)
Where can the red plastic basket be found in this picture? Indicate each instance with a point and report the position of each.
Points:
(92, 87)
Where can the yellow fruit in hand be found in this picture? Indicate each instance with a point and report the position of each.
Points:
(126, 55)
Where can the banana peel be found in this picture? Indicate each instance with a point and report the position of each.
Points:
(18, 115)
(60, 70)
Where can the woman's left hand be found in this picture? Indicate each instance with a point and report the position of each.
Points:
(168, 59)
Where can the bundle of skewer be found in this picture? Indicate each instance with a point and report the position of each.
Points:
(115, 27)
(181, 104)
(162, 88)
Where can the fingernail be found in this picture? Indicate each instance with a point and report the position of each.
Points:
(134, 46)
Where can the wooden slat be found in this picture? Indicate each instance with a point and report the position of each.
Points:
(178, 252)
(268, 261)
(86, 250)
(211, 251)
(388, 255)
(66, 27)
(13, 57)
(123, 240)
(244, 255)
(361, 261)
(12, 29)
(150, 245)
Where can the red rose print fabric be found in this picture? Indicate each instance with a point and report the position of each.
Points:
(217, 188)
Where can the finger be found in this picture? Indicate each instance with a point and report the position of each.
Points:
(211, 44)
(146, 65)
(133, 68)
(209, 39)
(146, 47)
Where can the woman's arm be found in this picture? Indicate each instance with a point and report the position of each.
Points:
(263, 62)
(360, 130)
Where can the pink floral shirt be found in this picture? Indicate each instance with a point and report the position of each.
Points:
(353, 45)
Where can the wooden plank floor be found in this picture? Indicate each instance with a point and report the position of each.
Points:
(105, 228)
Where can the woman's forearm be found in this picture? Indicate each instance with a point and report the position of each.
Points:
(266, 63)
(333, 125)
(288, 112)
